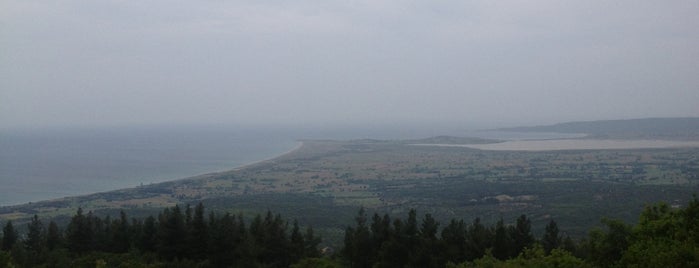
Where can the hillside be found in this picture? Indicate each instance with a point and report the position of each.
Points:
(648, 128)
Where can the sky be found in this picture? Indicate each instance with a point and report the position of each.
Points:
(373, 62)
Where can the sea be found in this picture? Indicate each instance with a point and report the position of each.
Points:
(48, 163)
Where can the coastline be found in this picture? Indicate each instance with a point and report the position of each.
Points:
(317, 171)
(151, 197)
(299, 145)
(573, 144)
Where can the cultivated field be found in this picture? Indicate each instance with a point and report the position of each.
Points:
(323, 183)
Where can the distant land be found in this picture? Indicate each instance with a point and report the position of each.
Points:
(573, 144)
(681, 128)
(324, 182)
(451, 140)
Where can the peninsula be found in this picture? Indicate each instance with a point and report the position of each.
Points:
(322, 183)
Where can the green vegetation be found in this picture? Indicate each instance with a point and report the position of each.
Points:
(175, 238)
(664, 237)
(323, 182)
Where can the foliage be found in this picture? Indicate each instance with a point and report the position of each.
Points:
(531, 257)
(551, 238)
(405, 243)
(664, 237)
(316, 263)
(172, 239)
(323, 183)
(9, 236)
(605, 247)
(6, 260)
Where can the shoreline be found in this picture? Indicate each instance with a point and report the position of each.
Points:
(573, 144)
(299, 145)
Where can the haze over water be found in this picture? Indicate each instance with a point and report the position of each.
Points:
(44, 165)
(99, 64)
(50, 163)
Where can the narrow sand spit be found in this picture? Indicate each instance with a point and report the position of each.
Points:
(574, 144)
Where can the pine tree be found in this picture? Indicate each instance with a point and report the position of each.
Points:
(9, 236)
(54, 238)
(35, 236)
(172, 234)
(120, 234)
(102, 232)
(479, 238)
(255, 234)
(381, 232)
(298, 243)
(198, 234)
(430, 252)
(502, 242)
(147, 240)
(223, 242)
(358, 242)
(277, 242)
(396, 251)
(521, 235)
(311, 243)
(551, 238)
(455, 241)
(80, 233)
(188, 215)
(429, 227)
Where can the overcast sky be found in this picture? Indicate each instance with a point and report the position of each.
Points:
(122, 62)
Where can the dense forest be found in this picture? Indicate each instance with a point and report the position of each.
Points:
(175, 238)
(188, 237)
(664, 237)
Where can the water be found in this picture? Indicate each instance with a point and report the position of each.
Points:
(39, 165)
(575, 144)
(522, 136)
(51, 163)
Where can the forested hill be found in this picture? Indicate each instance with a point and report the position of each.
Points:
(686, 128)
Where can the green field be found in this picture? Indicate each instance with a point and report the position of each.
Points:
(324, 183)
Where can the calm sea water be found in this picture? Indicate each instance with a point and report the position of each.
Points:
(51, 163)
(39, 165)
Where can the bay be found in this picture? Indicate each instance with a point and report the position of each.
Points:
(51, 163)
(41, 164)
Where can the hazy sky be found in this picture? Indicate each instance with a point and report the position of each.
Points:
(119, 62)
